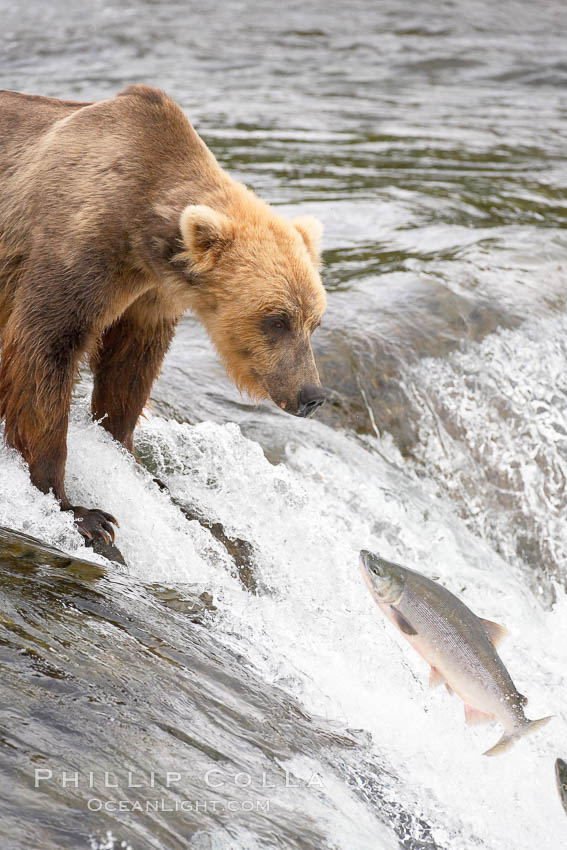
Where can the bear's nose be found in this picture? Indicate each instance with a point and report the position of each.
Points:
(310, 398)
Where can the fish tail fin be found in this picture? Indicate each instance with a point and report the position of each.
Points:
(506, 741)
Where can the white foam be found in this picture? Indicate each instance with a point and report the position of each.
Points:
(313, 628)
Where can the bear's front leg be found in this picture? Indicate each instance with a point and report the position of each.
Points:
(125, 365)
(40, 353)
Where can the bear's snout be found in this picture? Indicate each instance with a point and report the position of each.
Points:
(310, 398)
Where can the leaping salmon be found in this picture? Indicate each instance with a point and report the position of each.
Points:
(459, 646)
(561, 779)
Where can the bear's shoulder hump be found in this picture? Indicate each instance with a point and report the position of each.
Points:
(148, 93)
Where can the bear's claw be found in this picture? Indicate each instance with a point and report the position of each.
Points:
(93, 523)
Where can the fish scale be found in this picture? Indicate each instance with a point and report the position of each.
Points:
(455, 631)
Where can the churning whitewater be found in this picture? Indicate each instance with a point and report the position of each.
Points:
(312, 629)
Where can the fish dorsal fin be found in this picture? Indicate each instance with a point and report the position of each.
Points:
(402, 623)
(496, 633)
(435, 678)
(473, 717)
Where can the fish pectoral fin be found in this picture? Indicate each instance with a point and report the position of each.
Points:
(402, 623)
(474, 717)
(496, 633)
(435, 678)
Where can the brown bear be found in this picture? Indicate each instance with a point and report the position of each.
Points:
(115, 218)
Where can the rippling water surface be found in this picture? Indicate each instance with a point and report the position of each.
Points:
(235, 658)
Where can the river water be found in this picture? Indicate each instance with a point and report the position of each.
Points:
(243, 680)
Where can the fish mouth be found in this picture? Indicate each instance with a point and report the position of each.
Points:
(384, 587)
(369, 559)
(369, 562)
(364, 569)
(364, 564)
(363, 559)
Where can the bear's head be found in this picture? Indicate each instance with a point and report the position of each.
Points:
(256, 287)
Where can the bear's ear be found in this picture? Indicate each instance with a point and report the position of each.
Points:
(206, 233)
(310, 229)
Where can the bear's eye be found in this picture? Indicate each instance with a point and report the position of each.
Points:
(275, 324)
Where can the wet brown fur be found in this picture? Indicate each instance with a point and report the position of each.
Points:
(97, 261)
